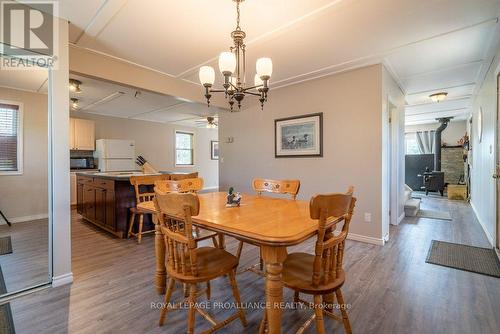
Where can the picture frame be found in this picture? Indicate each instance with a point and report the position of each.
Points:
(214, 149)
(299, 136)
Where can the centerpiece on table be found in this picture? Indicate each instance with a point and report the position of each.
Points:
(233, 199)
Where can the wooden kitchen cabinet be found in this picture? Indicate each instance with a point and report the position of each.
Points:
(82, 134)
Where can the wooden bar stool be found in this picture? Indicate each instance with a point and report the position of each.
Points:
(178, 177)
(189, 264)
(322, 274)
(143, 193)
(284, 187)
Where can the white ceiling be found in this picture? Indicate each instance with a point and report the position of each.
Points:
(110, 99)
(35, 80)
(428, 46)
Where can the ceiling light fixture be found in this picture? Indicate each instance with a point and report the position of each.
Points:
(232, 64)
(74, 103)
(438, 97)
(211, 123)
(74, 86)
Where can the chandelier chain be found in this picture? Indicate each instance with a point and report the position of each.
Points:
(238, 15)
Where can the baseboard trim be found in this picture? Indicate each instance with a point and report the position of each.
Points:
(490, 238)
(28, 218)
(400, 219)
(365, 239)
(62, 280)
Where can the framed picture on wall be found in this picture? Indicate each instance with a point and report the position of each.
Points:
(299, 136)
(214, 150)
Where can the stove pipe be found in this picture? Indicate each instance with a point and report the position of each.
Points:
(437, 141)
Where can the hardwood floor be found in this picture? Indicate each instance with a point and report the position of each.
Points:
(28, 263)
(390, 289)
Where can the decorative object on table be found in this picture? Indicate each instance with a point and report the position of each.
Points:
(299, 136)
(232, 64)
(5, 218)
(233, 199)
(214, 150)
(146, 167)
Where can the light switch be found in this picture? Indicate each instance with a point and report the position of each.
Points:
(368, 217)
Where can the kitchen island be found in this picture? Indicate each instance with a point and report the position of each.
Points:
(105, 199)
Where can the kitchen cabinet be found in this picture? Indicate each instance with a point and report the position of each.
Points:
(82, 134)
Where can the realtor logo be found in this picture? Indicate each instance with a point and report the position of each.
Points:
(29, 30)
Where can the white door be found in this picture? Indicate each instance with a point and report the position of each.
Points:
(497, 169)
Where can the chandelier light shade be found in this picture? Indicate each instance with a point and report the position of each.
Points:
(74, 86)
(438, 97)
(232, 65)
(74, 103)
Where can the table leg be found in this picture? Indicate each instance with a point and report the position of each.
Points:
(161, 273)
(274, 258)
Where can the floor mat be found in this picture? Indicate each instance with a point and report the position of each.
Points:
(463, 257)
(5, 245)
(6, 321)
(443, 215)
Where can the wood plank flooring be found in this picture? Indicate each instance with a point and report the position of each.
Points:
(390, 289)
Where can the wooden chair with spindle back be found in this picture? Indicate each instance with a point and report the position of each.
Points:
(143, 193)
(189, 264)
(322, 274)
(179, 176)
(283, 187)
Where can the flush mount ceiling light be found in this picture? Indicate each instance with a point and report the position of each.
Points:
(74, 103)
(74, 86)
(211, 124)
(232, 64)
(438, 97)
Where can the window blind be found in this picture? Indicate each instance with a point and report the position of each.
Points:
(9, 131)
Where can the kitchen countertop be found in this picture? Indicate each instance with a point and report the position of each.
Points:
(117, 176)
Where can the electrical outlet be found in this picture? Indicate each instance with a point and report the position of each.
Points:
(368, 217)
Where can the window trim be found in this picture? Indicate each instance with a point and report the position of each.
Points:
(175, 148)
(20, 137)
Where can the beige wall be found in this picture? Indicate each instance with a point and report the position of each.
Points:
(483, 153)
(453, 133)
(155, 141)
(25, 197)
(352, 144)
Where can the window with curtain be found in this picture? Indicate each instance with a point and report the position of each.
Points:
(411, 144)
(10, 138)
(184, 148)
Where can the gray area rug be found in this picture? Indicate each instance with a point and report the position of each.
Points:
(463, 257)
(443, 215)
(5, 245)
(6, 321)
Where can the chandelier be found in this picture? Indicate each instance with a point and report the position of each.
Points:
(232, 64)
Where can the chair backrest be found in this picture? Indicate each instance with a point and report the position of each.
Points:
(181, 186)
(175, 222)
(329, 251)
(177, 177)
(290, 187)
(143, 184)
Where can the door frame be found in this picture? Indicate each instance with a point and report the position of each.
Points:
(496, 140)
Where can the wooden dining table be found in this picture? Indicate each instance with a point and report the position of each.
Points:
(271, 223)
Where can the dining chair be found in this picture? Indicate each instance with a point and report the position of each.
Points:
(143, 193)
(189, 264)
(284, 187)
(322, 274)
(180, 176)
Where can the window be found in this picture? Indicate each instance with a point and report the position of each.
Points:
(184, 148)
(411, 144)
(10, 139)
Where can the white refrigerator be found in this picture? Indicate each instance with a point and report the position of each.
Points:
(115, 155)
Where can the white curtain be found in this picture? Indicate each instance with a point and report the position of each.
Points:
(425, 141)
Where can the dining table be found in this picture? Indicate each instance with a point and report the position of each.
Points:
(271, 223)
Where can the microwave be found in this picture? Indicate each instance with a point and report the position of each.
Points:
(82, 163)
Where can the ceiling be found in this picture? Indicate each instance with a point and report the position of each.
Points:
(113, 100)
(427, 46)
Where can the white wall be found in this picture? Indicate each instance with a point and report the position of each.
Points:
(25, 197)
(453, 133)
(155, 142)
(483, 160)
(351, 103)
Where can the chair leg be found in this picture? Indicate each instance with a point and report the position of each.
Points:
(238, 252)
(236, 295)
(214, 241)
(263, 323)
(209, 292)
(345, 317)
(185, 289)
(318, 310)
(261, 261)
(168, 295)
(296, 297)
(131, 227)
(192, 309)
(139, 234)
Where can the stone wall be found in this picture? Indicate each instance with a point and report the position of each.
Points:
(452, 164)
